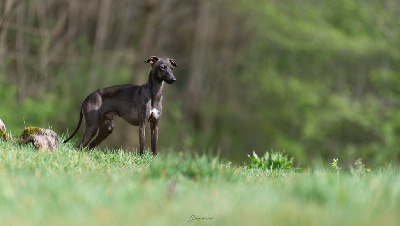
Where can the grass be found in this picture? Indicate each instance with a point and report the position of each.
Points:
(115, 188)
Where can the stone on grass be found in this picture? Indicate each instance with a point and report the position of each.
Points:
(3, 135)
(44, 139)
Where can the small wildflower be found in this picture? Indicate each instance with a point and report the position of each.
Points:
(360, 167)
(335, 165)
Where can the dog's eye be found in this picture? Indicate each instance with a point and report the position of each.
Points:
(163, 67)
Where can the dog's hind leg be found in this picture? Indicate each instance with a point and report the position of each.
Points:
(91, 127)
(90, 132)
(106, 127)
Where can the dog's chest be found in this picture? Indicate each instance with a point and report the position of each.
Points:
(154, 113)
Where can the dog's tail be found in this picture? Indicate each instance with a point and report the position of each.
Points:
(77, 128)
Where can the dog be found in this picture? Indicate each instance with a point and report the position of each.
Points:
(137, 105)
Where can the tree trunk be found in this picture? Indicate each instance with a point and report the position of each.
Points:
(20, 54)
(99, 46)
(195, 82)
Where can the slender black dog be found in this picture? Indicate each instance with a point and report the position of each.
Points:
(137, 105)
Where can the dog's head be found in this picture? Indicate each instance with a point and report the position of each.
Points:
(163, 68)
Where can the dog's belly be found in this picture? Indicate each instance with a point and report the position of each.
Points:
(132, 118)
(125, 110)
(132, 121)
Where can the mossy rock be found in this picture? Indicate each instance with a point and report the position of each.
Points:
(43, 139)
(3, 135)
(2, 126)
(28, 132)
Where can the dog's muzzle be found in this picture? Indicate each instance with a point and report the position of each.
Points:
(170, 81)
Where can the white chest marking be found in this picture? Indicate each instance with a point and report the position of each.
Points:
(155, 113)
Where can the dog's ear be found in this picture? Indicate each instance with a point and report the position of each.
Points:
(173, 63)
(152, 60)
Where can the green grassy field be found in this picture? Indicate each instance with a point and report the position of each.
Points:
(68, 187)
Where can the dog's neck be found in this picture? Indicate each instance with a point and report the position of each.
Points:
(156, 87)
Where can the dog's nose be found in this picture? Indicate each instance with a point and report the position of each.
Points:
(172, 80)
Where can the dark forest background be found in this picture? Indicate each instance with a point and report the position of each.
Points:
(316, 78)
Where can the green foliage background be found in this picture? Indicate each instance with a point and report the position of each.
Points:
(319, 79)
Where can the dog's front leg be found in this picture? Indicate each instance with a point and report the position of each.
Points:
(142, 127)
(154, 136)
